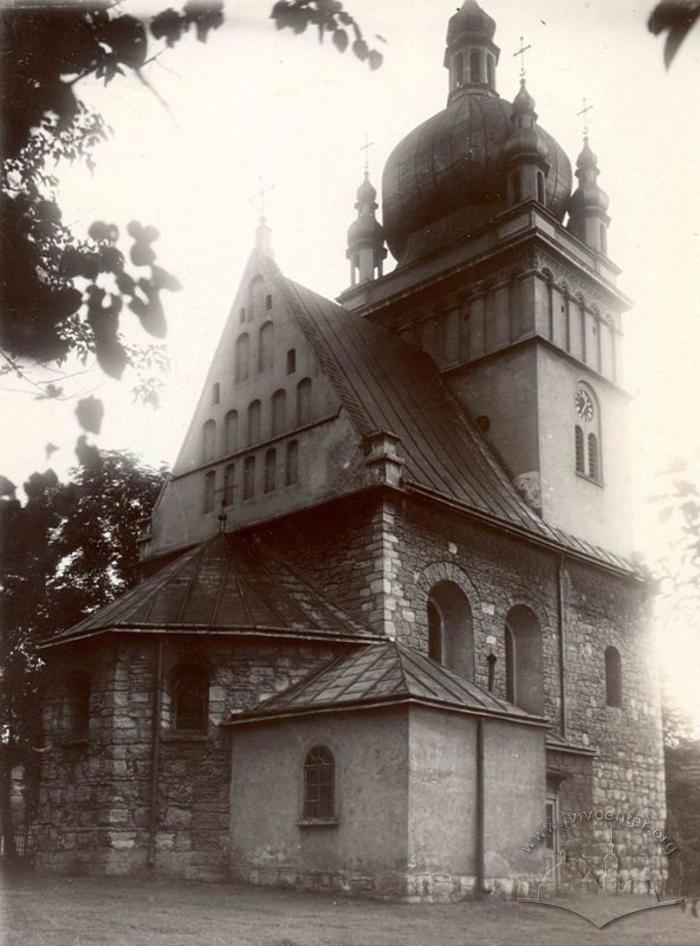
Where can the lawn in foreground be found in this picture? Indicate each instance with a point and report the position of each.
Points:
(82, 911)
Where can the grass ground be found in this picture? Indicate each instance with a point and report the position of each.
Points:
(49, 911)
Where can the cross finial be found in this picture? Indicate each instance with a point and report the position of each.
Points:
(260, 196)
(365, 147)
(521, 52)
(584, 112)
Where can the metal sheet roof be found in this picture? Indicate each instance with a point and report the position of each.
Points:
(227, 583)
(387, 384)
(382, 673)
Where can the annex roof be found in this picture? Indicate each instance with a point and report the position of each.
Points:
(227, 584)
(386, 384)
(382, 674)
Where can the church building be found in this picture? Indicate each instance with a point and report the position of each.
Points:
(388, 625)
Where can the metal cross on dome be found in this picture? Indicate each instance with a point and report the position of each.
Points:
(521, 52)
(365, 147)
(260, 196)
(584, 112)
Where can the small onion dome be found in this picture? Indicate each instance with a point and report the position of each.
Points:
(366, 194)
(526, 142)
(470, 19)
(589, 196)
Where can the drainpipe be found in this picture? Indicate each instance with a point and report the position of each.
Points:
(480, 810)
(155, 754)
(561, 626)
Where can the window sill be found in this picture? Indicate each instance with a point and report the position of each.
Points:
(75, 742)
(318, 823)
(184, 735)
(589, 479)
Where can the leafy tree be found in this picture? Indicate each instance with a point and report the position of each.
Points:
(70, 549)
(675, 18)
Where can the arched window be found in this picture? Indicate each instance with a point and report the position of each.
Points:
(256, 293)
(78, 697)
(613, 677)
(279, 412)
(510, 665)
(475, 66)
(589, 461)
(593, 465)
(242, 357)
(265, 351)
(268, 302)
(540, 188)
(249, 478)
(208, 441)
(450, 629)
(524, 653)
(457, 70)
(491, 70)
(291, 361)
(231, 432)
(216, 393)
(253, 422)
(434, 633)
(270, 471)
(319, 783)
(209, 488)
(229, 474)
(580, 452)
(190, 690)
(292, 464)
(304, 401)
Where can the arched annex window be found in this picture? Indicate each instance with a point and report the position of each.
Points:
(265, 346)
(270, 471)
(304, 401)
(209, 489)
(231, 432)
(457, 70)
(279, 412)
(292, 463)
(78, 688)
(254, 413)
(242, 357)
(523, 651)
(208, 441)
(613, 677)
(319, 783)
(190, 697)
(587, 418)
(229, 484)
(450, 628)
(249, 478)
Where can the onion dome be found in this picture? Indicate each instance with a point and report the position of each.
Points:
(589, 196)
(448, 177)
(526, 142)
(366, 250)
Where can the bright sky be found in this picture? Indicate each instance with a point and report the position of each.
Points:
(253, 102)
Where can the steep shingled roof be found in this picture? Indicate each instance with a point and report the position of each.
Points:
(385, 673)
(387, 384)
(228, 583)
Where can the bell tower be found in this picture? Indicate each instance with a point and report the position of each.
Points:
(503, 278)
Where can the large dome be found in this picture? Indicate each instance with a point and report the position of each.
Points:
(452, 166)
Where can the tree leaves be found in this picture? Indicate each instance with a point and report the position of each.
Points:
(330, 17)
(676, 18)
(90, 412)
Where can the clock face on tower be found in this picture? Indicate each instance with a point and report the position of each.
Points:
(584, 405)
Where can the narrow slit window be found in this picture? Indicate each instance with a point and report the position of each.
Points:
(613, 677)
(191, 698)
(208, 441)
(249, 478)
(209, 488)
(265, 350)
(270, 471)
(254, 432)
(304, 401)
(580, 454)
(291, 361)
(231, 431)
(242, 357)
(216, 393)
(510, 665)
(292, 466)
(229, 474)
(279, 412)
(593, 457)
(540, 188)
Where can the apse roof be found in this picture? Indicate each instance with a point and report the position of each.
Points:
(382, 674)
(227, 584)
(387, 384)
